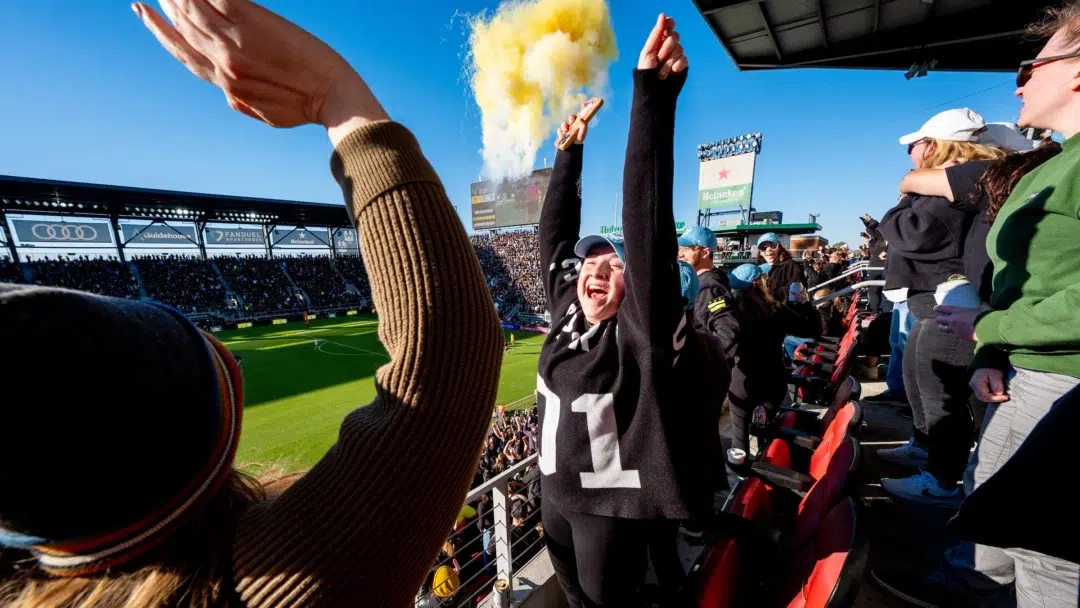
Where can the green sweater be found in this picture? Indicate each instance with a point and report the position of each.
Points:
(1035, 247)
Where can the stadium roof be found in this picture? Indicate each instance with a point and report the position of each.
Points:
(30, 195)
(961, 35)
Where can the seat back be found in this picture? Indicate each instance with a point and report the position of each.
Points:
(849, 389)
(721, 569)
(841, 421)
(827, 569)
(833, 480)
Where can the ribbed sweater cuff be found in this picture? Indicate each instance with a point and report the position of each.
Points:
(380, 156)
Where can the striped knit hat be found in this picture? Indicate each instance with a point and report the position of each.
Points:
(118, 420)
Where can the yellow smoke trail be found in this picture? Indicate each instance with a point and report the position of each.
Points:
(534, 62)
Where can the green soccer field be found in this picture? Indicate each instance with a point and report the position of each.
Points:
(299, 383)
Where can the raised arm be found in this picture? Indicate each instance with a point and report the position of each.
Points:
(927, 182)
(560, 222)
(354, 530)
(652, 308)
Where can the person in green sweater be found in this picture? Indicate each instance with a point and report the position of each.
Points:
(1028, 354)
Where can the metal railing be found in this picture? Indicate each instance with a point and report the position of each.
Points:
(849, 290)
(502, 537)
(844, 276)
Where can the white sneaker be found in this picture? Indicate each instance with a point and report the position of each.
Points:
(922, 488)
(907, 455)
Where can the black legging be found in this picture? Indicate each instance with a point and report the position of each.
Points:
(599, 561)
(936, 379)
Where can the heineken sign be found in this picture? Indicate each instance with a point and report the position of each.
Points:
(726, 182)
(680, 227)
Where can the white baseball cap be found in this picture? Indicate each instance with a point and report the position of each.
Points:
(1006, 135)
(951, 125)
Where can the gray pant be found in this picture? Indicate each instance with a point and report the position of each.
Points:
(1041, 581)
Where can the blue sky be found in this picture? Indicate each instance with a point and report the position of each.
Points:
(86, 94)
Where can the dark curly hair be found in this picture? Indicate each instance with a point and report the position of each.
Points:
(1001, 176)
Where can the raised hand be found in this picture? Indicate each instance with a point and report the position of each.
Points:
(662, 49)
(269, 68)
(578, 128)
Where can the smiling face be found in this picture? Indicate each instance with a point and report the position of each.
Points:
(770, 251)
(600, 287)
(1050, 93)
(698, 257)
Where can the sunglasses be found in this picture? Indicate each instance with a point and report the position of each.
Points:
(764, 246)
(911, 146)
(1023, 76)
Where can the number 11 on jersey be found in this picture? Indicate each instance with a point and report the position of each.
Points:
(599, 410)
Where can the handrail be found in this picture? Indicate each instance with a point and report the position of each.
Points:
(843, 276)
(849, 290)
(499, 479)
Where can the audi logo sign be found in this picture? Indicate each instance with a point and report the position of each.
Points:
(35, 231)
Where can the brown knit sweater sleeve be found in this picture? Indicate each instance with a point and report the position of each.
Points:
(364, 526)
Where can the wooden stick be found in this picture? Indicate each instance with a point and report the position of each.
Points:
(589, 111)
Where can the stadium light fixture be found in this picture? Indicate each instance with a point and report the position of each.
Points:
(732, 146)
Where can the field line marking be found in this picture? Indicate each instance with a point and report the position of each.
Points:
(319, 342)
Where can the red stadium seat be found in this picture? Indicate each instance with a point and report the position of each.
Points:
(826, 570)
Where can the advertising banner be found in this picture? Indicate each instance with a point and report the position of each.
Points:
(234, 236)
(158, 234)
(301, 237)
(280, 321)
(243, 325)
(726, 182)
(345, 241)
(508, 203)
(42, 231)
(352, 313)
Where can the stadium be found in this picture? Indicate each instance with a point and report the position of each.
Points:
(808, 514)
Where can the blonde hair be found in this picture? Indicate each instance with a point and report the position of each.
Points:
(825, 291)
(192, 569)
(960, 152)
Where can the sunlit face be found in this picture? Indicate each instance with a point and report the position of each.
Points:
(920, 152)
(1052, 87)
(697, 256)
(770, 251)
(600, 287)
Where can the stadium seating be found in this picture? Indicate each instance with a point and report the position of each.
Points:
(322, 284)
(511, 263)
(10, 272)
(352, 268)
(100, 276)
(261, 283)
(187, 283)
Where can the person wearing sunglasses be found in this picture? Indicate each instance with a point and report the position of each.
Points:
(783, 269)
(1028, 354)
(926, 236)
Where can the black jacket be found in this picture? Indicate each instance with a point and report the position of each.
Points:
(969, 198)
(926, 237)
(754, 343)
(1028, 493)
(877, 247)
(782, 275)
(712, 303)
(618, 436)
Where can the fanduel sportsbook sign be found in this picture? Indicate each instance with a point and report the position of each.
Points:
(300, 237)
(39, 231)
(158, 234)
(726, 182)
(234, 236)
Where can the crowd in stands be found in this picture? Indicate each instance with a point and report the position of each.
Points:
(261, 283)
(352, 268)
(511, 263)
(105, 277)
(10, 272)
(322, 284)
(189, 284)
(467, 559)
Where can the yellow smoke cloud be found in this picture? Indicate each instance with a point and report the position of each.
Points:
(533, 63)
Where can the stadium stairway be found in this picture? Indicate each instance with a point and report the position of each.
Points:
(229, 291)
(294, 285)
(143, 294)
